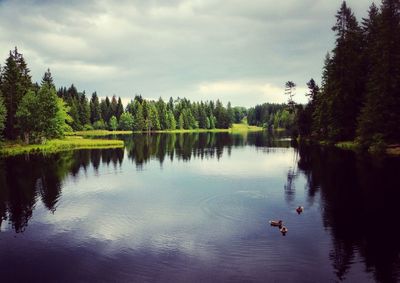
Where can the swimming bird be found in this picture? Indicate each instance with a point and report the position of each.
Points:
(283, 230)
(299, 209)
(276, 223)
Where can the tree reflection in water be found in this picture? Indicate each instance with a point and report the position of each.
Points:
(359, 200)
(357, 195)
(26, 178)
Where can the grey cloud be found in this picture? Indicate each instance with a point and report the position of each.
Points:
(164, 48)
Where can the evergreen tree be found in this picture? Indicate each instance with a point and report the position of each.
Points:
(181, 122)
(105, 107)
(290, 91)
(47, 79)
(95, 110)
(171, 122)
(3, 115)
(119, 109)
(320, 114)
(16, 82)
(83, 110)
(346, 75)
(162, 113)
(139, 121)
(153, 119)
(380, 119)
(114, 106)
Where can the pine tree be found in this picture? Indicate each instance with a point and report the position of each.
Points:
(290, 91)
(380, 119)
(83, 110)
(162, 113)
(139, 121)
(48, 79)
(3, 115)
(346, 74)
(95, 111)
(181, 122)
(120, 109)
(16, 82)
(114, 106)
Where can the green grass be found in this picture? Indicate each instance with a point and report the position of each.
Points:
(245, 128)
(235, 129)
(56, 145)
(98, 133)
(347, 145)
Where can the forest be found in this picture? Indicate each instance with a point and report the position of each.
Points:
(359, 96)
(34, 112)
(358, 99)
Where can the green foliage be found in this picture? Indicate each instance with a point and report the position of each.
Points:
(181, 122)
(3, 115)
(153, 121)
(171, 122)
(359, 97)
(58, 145)
(27, 115)
(42, 115)
(88, 127)
(100, 125)
(15, 83)
(139, 123)
(264, 115)
(95, 111)
(113, 123)
(126, 122)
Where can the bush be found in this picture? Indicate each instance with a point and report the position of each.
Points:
(99, 125)
(87, 127)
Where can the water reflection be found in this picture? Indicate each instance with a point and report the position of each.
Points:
(212, 213)
(359, 198)
(25, 179)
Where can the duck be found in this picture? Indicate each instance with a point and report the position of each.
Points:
(299, 209)
(276, 223)
(283, 230)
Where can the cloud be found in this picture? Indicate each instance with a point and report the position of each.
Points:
(174, 48)
(259, 92)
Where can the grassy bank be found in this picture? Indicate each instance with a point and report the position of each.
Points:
(392, 149)
(236, 128)
(98, 133)
(51, 146)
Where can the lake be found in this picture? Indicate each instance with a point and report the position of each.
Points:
(195, 208)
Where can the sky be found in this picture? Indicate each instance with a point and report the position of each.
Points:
(237, 51)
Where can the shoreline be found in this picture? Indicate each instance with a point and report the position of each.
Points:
(236, 128)
(58, 145)
(391, 150)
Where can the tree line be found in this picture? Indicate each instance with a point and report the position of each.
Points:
(271, 116)
(36, 112)
(359, 97)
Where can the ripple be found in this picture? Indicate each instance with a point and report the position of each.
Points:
(235, 206)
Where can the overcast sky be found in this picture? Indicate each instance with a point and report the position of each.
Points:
(238, 51)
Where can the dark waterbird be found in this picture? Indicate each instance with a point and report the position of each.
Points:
(299, 209)
(276, 223)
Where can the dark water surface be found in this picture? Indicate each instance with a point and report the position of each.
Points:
(195, 207)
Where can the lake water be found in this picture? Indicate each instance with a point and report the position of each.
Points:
(195, 208)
